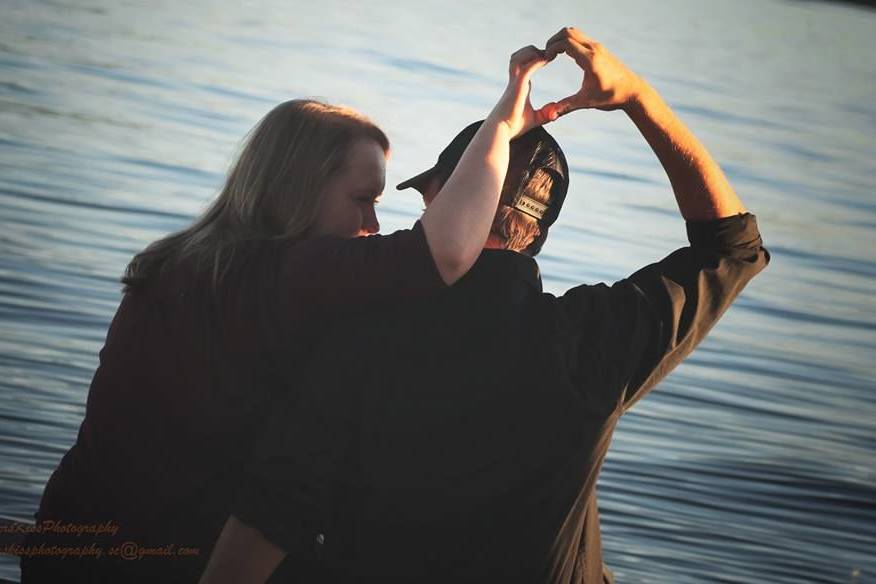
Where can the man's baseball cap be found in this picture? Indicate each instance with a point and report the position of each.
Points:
(533, 150)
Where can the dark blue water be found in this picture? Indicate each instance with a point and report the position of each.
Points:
(118, 121)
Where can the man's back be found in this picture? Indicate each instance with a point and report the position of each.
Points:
(447, 425)
(459, 439)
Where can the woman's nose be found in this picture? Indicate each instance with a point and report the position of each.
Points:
(371, 224)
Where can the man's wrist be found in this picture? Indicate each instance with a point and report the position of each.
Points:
(642, 102)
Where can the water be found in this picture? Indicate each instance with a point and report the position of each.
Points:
(118, 121)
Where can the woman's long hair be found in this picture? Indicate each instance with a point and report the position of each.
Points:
(271, 192)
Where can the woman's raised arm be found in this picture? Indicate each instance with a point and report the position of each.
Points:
(458, 221)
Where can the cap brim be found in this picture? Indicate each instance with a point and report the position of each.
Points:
(421, 180)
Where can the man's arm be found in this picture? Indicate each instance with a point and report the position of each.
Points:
(700, 187)
(699, 184)
(622, 340)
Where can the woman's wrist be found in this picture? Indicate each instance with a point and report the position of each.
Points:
(499, 125)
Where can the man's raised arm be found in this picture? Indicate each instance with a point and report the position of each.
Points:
(699, 184)
(646, 324)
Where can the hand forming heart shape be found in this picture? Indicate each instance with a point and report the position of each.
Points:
(608, 84)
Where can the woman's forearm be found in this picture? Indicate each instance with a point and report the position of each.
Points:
(241, 554)
(701, 189)
(458, 221)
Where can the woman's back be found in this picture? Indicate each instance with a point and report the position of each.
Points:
(184, 379)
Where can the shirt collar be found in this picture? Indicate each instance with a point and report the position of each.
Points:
(501, 265)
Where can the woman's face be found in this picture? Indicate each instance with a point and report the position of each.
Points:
(346, 208)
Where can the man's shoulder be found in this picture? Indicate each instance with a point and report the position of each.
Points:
(500, 269)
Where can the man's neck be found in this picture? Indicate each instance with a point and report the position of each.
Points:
(494, 242)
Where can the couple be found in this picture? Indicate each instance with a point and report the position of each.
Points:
(408, 407)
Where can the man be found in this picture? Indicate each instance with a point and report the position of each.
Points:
(459, 439)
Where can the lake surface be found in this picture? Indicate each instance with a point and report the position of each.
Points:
(118, 121)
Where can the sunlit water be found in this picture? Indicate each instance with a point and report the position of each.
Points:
(752, 462)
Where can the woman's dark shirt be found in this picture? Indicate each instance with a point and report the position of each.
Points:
(186, 378)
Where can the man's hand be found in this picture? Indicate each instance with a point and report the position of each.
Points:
(608, 83)
(700, 187)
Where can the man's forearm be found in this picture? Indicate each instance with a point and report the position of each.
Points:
(700, 187)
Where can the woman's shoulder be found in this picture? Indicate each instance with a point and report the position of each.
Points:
(402, 241)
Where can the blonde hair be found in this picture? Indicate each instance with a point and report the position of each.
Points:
(271, 192)
(519, 231)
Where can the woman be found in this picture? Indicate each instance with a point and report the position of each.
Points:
(216, 320)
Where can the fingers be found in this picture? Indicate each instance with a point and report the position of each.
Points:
(583, 54)
(574, 43)
(527, 60)
(543, 116)
(526, 55)
(574, 34)
(535, 118)
(568, 40)
(527, 69)
(552, 111)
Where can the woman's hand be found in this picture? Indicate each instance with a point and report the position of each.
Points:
(514, 108)
(608, 83)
